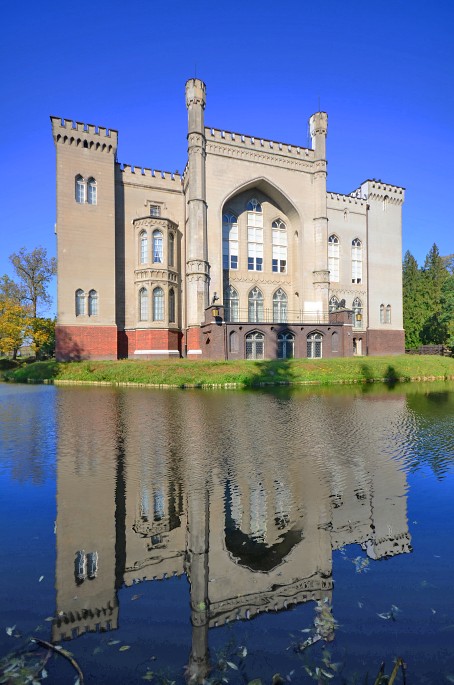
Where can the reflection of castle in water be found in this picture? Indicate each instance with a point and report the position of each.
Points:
(152, 485)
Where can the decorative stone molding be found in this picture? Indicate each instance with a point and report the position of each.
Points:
(276, 159)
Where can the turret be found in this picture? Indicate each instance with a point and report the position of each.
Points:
(318, 124)
(196, 234)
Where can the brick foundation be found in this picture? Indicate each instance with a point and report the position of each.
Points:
(151, 343)
(385, 342)
(193, 343)
(73, 343)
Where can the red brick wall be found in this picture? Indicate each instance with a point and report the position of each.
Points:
(385, 342)
(193, 339)
(85, 342)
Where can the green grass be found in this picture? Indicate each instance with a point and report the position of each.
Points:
(184, 372)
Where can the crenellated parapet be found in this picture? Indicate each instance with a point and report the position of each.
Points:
(373, 189)
(148, 177)
(228, 143)
(71, 624)
(337, 199)
(88, 136)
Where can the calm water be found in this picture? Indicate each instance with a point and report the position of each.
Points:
(229, 535)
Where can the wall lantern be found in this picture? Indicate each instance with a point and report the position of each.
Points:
(359, 317)
(215, 311)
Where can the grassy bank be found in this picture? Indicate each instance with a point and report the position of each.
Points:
(183, 372)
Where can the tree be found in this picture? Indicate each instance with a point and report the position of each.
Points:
(43, 333)
(434, 276)
(10, 290)
(447, 310)
(14, 325)
(414, 309)
(34, 270)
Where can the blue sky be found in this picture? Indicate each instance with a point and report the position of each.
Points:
(383, 72)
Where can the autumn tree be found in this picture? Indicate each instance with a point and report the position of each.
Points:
(34, 270)
(14, 325)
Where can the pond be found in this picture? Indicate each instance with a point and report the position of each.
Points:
(181, 535)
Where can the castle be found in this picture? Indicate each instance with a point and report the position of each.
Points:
(244, 255)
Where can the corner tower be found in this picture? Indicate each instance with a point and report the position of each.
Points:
(318, 124)
(197, 266)
(86, 322)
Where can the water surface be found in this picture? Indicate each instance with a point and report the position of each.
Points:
(235, 535)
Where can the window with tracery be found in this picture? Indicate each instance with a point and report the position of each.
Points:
(279, 246)
(80, 189)
(333, 304)
(231, 305)
(285, 345)
(157, 247)
(314, 345)
(80, 302)
(143, 304)
(255, 345)
(254, 236)
(255, 305)
(279, 306)
(333, 258)
(229, 241)
(158, 304)
(357, 261)
(92, 195)
(92, 303)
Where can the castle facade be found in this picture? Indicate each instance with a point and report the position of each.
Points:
(244, 255)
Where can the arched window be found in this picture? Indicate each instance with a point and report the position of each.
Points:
(158, 304)
(255, 345)
(254, 236)
(171, 249)
(335, 342)
(357, 261)
(255, 305)
(171, 305)
(80, 189)
(231, 304)
(229, 241)
(357, 307)
(285, 345)
(314, 345)
(233, 342)
(388, 314)
(80, 302)
(92, 303)
(92, 194)
(279, 236)
(143, 247)
(333, 304)
(279, 306)
(333, 258)
(143, 304)
(385, 203)
(157, 247)
(382, 313)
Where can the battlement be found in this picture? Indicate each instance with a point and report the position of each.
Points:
(79, 134)
(340, 199)
(71, 624)
(373, 189)
(243, 141)
(150, 177)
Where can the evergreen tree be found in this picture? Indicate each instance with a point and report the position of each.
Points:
(447, 311)
(434, 276)
(414, 310)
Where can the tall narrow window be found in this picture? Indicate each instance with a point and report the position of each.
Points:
(335, 342)
(357, 307)
(382, 313)
(333, 304)
(143, 247)
(279, 306)
(158, 304)
(279, 236)
(92, 303)
(92, 195)
(333, 258)
(80, 189)
(171, 249)
(229, 241)
(285, 345)
(254, 236)
(171, 305)
(255, 345)
(143, 304)
(255, 306)
(357, 261)
(231, 305)
(157, 246)
(314, 345)
(80, 302)
(388, 314)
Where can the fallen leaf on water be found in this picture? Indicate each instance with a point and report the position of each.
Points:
(123, 648)
(433, 611)
(134, 597)
(44, 674)
(97, 650)
(40, 579)
(230, 664)
(49, 618)
(257, 681)
(9, 630)
(113, 642)
(360, 604)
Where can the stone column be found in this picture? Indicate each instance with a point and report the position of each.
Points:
(197, 267)
(318, 128)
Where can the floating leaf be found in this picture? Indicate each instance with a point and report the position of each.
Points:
(113, 642)
(49, 618)
(230, 664)
(44, 674)
(123, 648)
(149, 675)
(9, 630)
(134, 597)
(40, 579)
(97, 650)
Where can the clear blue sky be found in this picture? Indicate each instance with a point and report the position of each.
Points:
(382, 71)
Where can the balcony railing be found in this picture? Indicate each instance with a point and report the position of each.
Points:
(264, 315)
